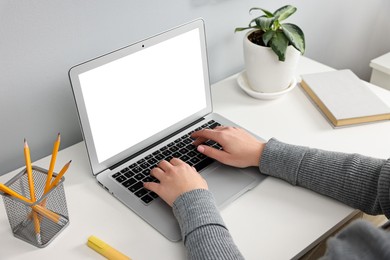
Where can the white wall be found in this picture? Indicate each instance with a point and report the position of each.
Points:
(41, 39)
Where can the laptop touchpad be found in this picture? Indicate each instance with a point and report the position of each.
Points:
(226, 183)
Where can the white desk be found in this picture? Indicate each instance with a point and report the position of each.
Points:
(273, 221)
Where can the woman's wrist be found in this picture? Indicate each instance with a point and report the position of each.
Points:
(259, 151)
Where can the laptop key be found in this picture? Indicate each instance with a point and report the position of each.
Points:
(146, 172)
(145, 165)
(214, 125)
(201, 156)
(137, 169)
(141, 192)
(181, 145)
(147, 179)
(195, 160)
(136, 186)
(190, 147)
(159, 157)
(129, 182)
(184, 158)
(147, 199)
(176, 155)
(167, 153)
(116, 175)
(124, 170)
(152, 161)
(153, 195)
(187, 141)
(129, 174)
(173, 149)
(183, 151)
(203, 164)
(121, 178)
(192, 154)
(141, 161)
(139, 176)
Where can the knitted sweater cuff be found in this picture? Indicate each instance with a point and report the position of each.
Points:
(281, 160)
(384, 188)
(195, 209)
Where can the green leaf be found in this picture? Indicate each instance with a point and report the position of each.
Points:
(279, 43)
(255, 21)
(295, 35)
(239, 29)
(267, 36)
(267, 13)
(284, 12)
(265, 23)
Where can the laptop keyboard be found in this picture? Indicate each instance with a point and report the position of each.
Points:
(133, 176)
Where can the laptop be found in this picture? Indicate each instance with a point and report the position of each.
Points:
(138, 105)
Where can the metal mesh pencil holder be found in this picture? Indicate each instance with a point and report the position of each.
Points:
(50, 210)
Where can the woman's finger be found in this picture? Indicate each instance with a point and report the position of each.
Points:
(152, 186)
(164, 165)
(176, 161)
(157, 173)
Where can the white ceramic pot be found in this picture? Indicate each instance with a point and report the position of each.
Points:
(264, 71)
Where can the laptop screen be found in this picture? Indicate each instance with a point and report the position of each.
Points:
(134, 97)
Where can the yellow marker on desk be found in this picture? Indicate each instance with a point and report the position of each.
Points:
(105, 250)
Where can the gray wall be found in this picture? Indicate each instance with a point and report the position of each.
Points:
(41, 39)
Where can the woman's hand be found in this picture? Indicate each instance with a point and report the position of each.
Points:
(240, 149)
(176, 177)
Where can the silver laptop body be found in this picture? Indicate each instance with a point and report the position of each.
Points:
(141, 98)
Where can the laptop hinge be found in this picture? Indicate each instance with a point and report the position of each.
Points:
(155, 144)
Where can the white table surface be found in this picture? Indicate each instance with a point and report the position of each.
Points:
(273, 221)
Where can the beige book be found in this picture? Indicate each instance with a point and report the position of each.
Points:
(344, 98)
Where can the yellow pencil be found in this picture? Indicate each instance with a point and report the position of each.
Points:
(29, 170)
(12, 193)
(51, 167)
(56, 218)
(41, 210)
(60, 174)
(32, 190)
(52, 163)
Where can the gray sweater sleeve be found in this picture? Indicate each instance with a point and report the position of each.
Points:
(360, 240)
(358, 181)
(203, 231)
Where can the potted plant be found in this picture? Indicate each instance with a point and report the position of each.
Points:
(272, 50)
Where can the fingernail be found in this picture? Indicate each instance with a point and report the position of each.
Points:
(200, 148)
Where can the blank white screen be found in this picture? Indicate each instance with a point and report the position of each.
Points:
(137, 96)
